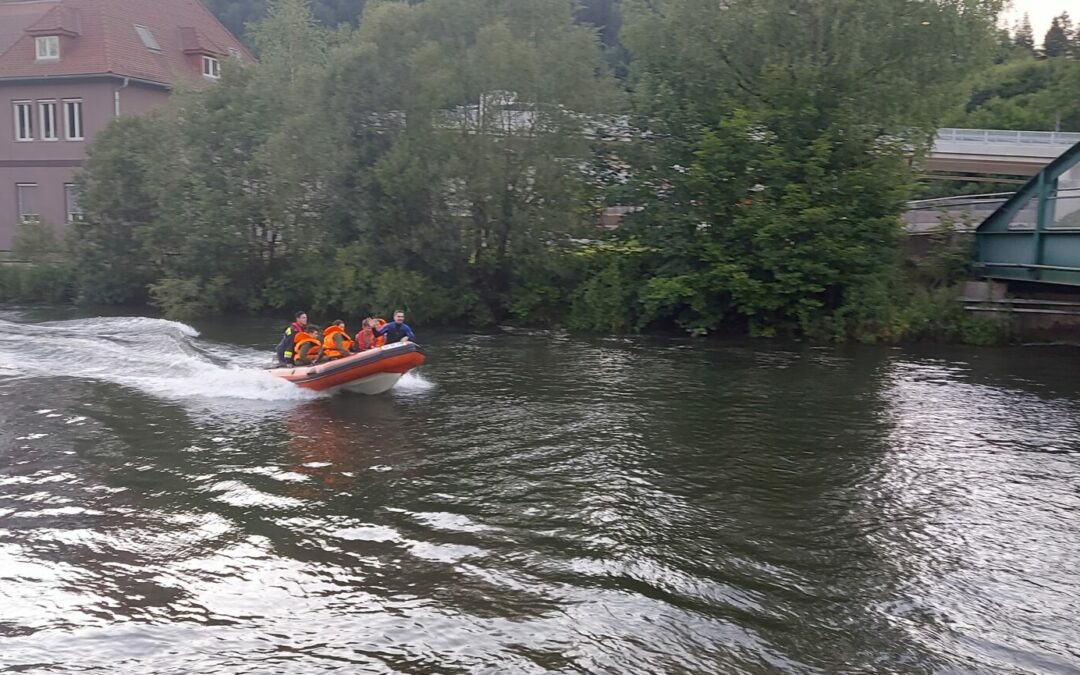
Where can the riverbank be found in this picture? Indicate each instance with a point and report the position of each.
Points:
(914, 314)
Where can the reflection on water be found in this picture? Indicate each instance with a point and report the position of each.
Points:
(538, 503)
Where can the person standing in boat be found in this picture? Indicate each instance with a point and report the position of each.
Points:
(397, 330)
(284, 349)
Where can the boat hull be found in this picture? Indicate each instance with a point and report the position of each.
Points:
(369, 372)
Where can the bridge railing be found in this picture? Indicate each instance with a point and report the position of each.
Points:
(964, 214)
(998, 136)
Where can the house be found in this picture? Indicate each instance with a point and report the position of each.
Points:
(67, 67)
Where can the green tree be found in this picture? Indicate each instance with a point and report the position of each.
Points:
(1058, 38)
(120, 189)
(1025, 36)
(776, 171)
(466, 120)
(1025, 94)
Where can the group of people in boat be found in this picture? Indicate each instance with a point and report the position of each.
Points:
(304, 344)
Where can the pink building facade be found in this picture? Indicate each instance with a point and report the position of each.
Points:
(67, 67)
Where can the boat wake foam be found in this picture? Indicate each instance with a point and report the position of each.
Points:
(413, 381)
(156, 356)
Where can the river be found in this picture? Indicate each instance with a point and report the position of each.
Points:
(533, 503)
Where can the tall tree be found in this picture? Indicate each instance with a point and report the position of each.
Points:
(779, 132)
(1025, 36)
(475, 110)
(1058, 38)
(121, 189)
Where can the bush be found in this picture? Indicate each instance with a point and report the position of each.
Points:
(938, 315)
(187, 299)
(34, 282)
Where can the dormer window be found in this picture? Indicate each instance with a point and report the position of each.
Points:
(210, 67)
(48, 47)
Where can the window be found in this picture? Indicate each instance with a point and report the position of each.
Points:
(71, 198)
(147, 38)
(26, 195)
(73, 119)
(48, 120)
(24, 121)
(210, 67)
(48, 47)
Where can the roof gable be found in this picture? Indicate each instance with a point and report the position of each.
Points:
(60, 20)
(103, 38)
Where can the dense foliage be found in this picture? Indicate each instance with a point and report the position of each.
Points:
(772, 191)
(453, 156)
(239, 15)
(431, 158)
(1028, 88)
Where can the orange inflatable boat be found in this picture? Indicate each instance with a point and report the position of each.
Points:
(369, 372)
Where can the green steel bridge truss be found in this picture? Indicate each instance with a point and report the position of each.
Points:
(1035, 234)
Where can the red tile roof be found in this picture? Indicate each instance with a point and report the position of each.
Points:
(59, 19)
(194, 42)
(14, 19)
(106, 40)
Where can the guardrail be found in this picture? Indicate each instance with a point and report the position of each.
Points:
(925, 216)
(999, 136)
(960, 200)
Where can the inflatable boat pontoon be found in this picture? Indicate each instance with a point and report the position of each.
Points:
(369, 372)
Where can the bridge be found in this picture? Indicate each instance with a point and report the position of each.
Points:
(991, 151)
(1034, 235)
(998, 152)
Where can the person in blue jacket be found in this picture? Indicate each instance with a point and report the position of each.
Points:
(397, 330)
(284, 349)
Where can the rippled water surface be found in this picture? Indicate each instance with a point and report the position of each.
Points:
(533, 503)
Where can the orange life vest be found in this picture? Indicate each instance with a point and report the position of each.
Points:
(329, 349)
(300, 340)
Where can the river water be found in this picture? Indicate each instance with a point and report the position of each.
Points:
(532, 502)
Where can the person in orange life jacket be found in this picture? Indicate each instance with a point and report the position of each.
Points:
(284, 350)
(308, 348)
(366, 338)
(398, 330)
(336, 342)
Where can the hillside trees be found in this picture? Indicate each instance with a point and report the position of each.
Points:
(1028, 90)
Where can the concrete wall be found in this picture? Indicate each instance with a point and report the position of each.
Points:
(52, 164)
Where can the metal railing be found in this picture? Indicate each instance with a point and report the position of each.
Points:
(999, 136)
(967, 212)
(963, 213)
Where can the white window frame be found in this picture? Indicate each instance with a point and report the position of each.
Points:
(80, 133)
(48, 116)
(28, 114)
(71, 204)
(47, 48)
(26, 218)
(211, 67)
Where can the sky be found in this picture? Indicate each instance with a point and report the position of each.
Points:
(1041, 12)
